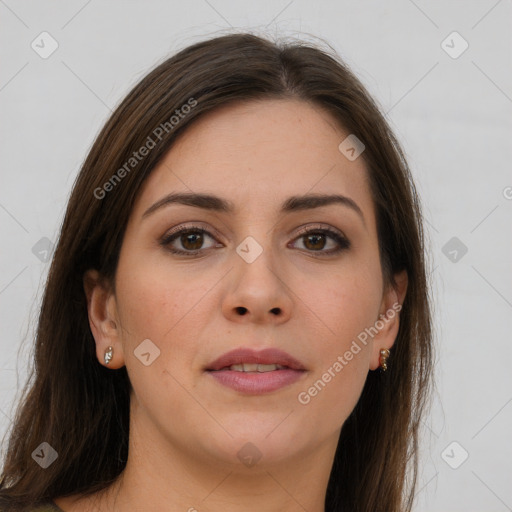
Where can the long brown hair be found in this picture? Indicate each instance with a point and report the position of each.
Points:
(81, 408)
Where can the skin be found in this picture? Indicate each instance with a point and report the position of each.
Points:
(186, 429)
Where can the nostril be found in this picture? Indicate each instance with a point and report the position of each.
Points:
(241, 310)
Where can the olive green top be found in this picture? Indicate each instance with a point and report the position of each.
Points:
(48, 506)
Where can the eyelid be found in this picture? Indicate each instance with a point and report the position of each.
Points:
(195, 225)
(320, 226)
(202, 226)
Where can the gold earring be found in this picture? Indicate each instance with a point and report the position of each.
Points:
(108, 355)
(384, 354)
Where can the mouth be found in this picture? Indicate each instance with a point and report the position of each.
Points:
(253, 368)
(251, 372)
(248, 360)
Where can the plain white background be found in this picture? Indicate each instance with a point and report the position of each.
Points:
(452, 112)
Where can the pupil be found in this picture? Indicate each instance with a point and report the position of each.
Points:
(190, 238)
(309, 237)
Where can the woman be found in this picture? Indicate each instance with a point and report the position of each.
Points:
(237, 313)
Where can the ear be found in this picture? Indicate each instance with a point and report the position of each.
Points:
(103, 319)
(389, 317)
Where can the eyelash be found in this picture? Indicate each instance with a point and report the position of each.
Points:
(343, 243)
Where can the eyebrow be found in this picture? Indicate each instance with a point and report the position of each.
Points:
(218, 204)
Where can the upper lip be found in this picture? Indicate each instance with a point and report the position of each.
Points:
(247, 355)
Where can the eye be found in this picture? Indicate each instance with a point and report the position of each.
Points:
(191, 239)
(314, 240)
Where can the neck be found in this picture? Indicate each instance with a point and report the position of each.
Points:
(164, 475)
(191, 485)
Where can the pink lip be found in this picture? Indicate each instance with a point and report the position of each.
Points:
(247, 355)
(256, 383)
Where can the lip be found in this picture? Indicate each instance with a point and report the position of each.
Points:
(247, 355)
(256, 383)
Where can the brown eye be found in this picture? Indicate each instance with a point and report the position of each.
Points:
(315, 240)
(191, 240)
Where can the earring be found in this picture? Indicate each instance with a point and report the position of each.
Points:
(108, 355)
(384, 354)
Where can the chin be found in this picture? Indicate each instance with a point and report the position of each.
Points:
(250, 447)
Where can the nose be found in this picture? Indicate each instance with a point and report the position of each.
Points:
(258, 291)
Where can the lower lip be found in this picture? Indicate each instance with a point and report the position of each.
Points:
(256, 383)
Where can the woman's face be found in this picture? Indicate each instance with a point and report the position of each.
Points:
(253, 280)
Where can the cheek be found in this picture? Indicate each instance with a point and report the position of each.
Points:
(167, 306)
(343, 350)
(153, 301)
(345, 343)
(157, 305)
(348, 305)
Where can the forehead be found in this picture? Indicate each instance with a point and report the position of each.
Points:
(257, 154)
